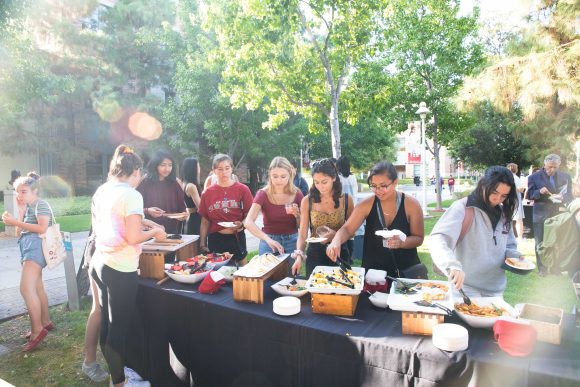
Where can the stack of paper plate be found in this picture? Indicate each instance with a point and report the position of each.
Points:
(287, 306)
(450, 337)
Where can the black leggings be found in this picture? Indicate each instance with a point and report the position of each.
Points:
(117, 297)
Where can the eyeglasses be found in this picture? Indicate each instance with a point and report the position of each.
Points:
(376, 188)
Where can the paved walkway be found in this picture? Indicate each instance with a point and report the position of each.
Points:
(12, 304)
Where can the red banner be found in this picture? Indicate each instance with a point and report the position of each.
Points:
(413, 158)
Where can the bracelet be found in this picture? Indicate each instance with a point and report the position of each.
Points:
(299, 253)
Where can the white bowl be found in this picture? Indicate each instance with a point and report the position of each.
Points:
(380, 300)
(486, 322)
(188, 278)
(227, 272)
(218, 264)
(281, 288)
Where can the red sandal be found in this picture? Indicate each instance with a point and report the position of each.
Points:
(32, 344)
(48, 327)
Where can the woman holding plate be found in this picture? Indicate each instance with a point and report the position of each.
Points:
(390, 210)
(223, 207)
(324, 209)
(473, 252)
(279, 203)
(162, 194)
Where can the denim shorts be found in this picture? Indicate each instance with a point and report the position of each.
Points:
(288, 241)
(31, 249)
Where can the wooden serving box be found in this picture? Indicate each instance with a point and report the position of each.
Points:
(152, 258)
(546, 320)
(251, 289)
(418, 323)
(335, 304)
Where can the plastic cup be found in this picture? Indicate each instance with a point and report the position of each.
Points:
(288, 207)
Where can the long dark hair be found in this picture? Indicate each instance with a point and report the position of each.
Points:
(188, 171)
(343, 165)
(157, 159)
(493, 177)
(326, 167)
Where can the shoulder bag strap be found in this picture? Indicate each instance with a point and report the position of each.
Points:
(310, 213)
(345, 206)
(467, 221)
(49, 207)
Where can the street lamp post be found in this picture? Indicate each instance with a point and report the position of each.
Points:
(422, 112)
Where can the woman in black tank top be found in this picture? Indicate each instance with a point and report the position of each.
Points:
(190, 179)
(386, 209)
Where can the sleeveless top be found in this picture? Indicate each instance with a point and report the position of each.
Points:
(375, 256)
(333, 220)
(188, 200)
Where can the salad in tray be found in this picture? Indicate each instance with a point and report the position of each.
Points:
(332, 279)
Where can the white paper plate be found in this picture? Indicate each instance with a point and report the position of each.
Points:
(521, 264)
(316, 240)
(280, 287)
(227, 224)
(286, 306)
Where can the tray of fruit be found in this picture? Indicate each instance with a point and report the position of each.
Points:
(188, 272)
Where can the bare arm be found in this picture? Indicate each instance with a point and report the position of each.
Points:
(415, 218)
(135, 233)
(302, 235)
(356, 218)
(39, 228)
(203, 228)
(191, 191)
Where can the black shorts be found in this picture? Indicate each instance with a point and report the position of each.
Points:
(231, 243)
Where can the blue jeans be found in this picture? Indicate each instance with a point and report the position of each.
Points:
(288, 242)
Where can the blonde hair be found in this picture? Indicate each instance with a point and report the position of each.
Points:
(281, 162)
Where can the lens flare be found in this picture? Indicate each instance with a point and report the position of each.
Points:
(145, 126)
(53, 186)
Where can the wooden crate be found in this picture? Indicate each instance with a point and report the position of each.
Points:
(417, 323)
(152, 265)
(335, 304)
(546, 320)
(249, 289)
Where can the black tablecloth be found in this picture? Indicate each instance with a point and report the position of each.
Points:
(215, 341)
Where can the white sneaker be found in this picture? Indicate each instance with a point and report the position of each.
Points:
(95, 372)
(132, 375)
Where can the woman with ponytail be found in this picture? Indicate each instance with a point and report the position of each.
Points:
(35, 216)
(117, 217)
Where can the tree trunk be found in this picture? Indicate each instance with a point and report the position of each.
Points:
(334, 128)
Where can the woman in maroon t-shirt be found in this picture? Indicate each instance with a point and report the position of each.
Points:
(225, 202)
(279, 203)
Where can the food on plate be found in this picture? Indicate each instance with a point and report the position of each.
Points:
(434, 295)
(320, 279)
(519, 263)
(435, 289)
(259, 265)
(210, 257)
(481, 311)
(293, 288)
(187, 268)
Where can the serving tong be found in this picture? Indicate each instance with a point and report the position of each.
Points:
(403, 286)
(433, 305)
(466, 299)
(347, 284)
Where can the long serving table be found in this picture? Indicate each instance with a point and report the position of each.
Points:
(183, 336)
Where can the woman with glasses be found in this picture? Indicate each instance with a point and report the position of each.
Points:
(324, 210)
(472, 255)
(387, 209)
(226, 201)
(161, 192)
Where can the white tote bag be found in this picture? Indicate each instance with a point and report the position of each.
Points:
(52, 242)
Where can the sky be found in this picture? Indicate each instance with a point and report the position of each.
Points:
(510, 12)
